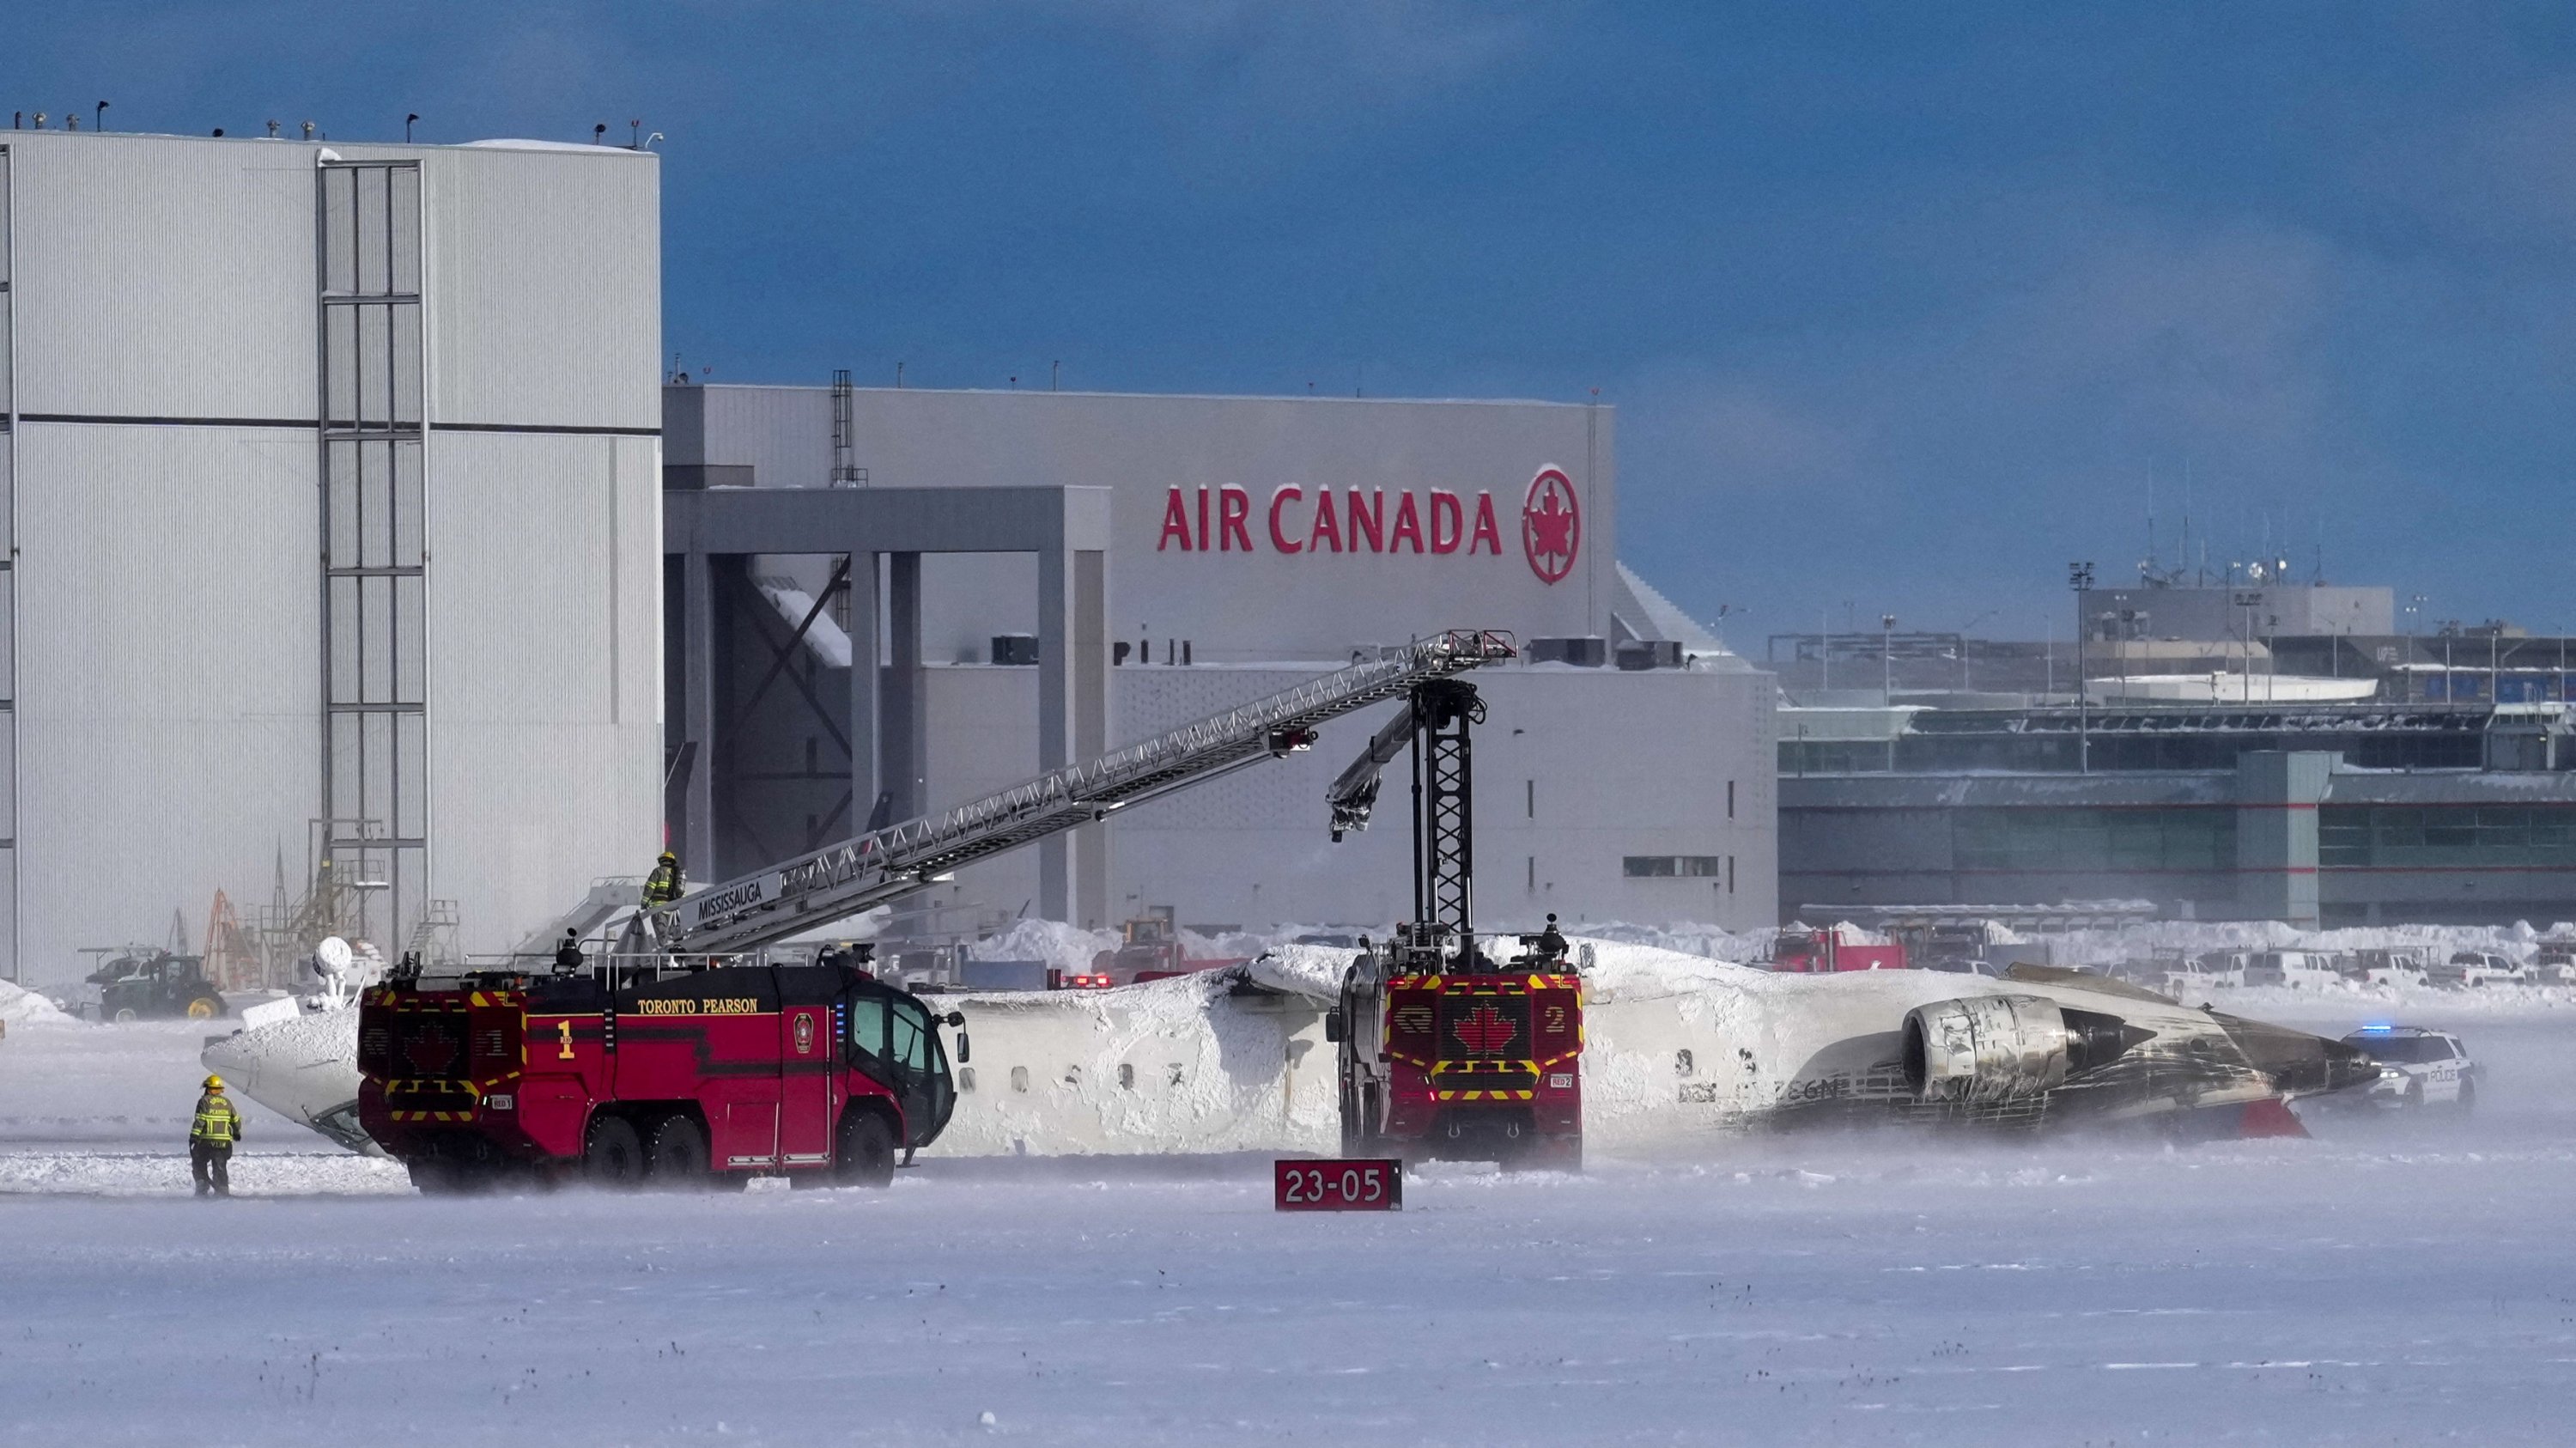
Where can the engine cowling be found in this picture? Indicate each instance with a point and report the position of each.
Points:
(2007, 1047)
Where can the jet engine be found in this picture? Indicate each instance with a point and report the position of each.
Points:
(2007, 1047)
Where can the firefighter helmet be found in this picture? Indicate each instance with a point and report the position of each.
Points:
(214, 1083)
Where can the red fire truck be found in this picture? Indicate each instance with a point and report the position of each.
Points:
(1798, 951)
(1481, 1062)
(1445, 1050)
(676, 1078)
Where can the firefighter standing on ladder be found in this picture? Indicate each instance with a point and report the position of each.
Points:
(661, 888)
(663, 885)
(210, 1141)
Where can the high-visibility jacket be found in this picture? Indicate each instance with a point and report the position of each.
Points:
(218, 1124)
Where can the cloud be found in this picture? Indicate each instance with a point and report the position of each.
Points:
(2500, 177)
(1739, 433)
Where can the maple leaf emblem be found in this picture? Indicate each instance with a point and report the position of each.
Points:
(431, 1050)
(1551, 525)
(1484, 1031)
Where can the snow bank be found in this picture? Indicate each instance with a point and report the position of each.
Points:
(1066, 947)
(21, 1007)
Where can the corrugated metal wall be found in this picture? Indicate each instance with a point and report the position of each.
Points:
(1576, 769)
(170, 278)
(545, 288)
(8, 607)
(168, 705)
(170, 665)
(546, 673)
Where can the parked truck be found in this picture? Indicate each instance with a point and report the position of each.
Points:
(1798, 951)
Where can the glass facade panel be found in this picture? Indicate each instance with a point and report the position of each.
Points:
(2094, 840)
(2447, 836)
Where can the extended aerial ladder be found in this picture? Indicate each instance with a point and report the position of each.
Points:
(887, 864)
(1437, 724)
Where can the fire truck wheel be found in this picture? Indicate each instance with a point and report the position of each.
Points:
(436, 1176)
(679, 1155)
(865, 1152)
(612, 1155)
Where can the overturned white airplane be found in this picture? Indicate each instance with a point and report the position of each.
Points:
(1681, 1054)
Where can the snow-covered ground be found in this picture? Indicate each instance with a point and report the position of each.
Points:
(2385, 1282)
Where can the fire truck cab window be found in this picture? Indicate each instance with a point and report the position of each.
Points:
(911, 1037)
(868, 1026)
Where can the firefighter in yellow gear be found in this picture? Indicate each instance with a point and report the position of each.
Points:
(210, 1140)
(663, 885)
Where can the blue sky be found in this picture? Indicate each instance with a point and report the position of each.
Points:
(1902, 305)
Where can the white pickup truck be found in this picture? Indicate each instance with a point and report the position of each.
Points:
(2467, 968)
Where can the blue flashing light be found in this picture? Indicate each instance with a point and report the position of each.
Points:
(2377, 1028)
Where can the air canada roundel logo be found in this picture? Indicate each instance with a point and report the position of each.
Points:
(1551, 525)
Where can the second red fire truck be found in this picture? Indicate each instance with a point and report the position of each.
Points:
(1445, 1048)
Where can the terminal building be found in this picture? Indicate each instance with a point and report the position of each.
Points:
(2242, 753)
(1042, 574)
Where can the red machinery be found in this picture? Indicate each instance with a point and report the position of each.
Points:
(1443, 1050)
(1149, 948)
(684, 1078)
(1818, 952)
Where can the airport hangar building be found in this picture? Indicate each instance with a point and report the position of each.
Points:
(1041, 575)
(333, 481)
(329, 474)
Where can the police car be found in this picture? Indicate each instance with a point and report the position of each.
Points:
(2417, 1067)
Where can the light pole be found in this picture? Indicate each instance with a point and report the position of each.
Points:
(2414, 607)
(1966, 629)
(2249, 601)
(1825, 650)
(2079, 577)
(1886, 660)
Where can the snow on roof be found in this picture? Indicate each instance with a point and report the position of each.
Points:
(511, 143)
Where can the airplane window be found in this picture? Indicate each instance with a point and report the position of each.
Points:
(1126, 1077)
(1683, 1065)
(1019, 1078)
(965, 1079)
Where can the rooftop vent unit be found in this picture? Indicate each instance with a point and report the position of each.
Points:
(1587, 651)
(1636, 655)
